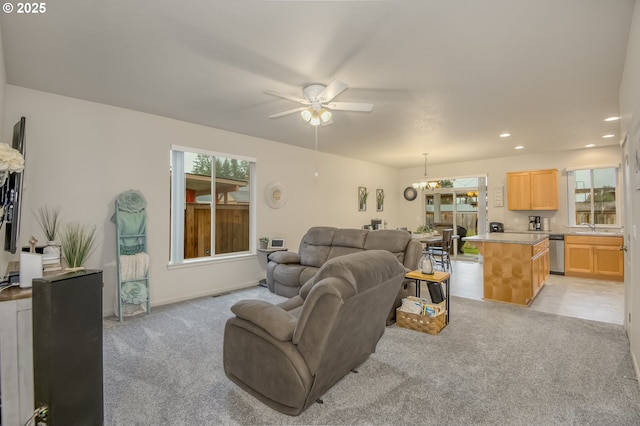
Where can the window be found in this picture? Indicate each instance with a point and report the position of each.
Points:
(592, 196)
(212, 214)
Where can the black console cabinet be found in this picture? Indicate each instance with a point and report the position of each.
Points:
(67, 348)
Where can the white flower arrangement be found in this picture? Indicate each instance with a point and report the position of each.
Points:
(11, 161)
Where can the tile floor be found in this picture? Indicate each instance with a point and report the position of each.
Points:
(574, 297)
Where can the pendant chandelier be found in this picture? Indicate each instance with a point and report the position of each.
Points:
(424, 181)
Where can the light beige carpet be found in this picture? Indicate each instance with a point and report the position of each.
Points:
(494, 364)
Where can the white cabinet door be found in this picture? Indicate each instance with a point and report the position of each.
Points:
(16, 361)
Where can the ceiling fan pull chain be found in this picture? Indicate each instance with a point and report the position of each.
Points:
(316, 159)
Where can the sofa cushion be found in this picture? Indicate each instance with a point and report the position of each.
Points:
(347, 241)
(306, 288)
(315, 256)
(341, 251)
(390, 240)
(319, 236)
(288, 275)
(353, 238)
(361, 271)
(285, 257)
(271, 318)
(308, 274)
(315, 246)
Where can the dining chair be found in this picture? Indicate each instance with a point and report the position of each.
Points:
(441, 254)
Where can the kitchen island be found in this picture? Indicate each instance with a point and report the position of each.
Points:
(515, 265)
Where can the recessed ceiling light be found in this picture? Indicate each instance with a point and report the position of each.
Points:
(591, 145)
(518, 147)
(612, 118)
(505, 135)
(610, 135)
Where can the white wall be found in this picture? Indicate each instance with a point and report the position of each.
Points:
(496, 170)
(81, 155)
(630, 126)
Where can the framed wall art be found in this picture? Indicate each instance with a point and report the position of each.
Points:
(379, 200)
(362, 198)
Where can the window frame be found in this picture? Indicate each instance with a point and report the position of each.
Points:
(178, 205)
(571, 201)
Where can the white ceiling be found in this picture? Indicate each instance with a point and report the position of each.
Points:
(446, 76)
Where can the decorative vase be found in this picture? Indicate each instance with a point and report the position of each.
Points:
(52, 248)
(263, 244)
(426, 264)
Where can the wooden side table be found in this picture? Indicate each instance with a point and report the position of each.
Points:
(438, 277)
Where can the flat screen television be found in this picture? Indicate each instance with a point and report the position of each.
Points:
(11, 193)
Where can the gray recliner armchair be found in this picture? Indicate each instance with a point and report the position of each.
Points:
(289, 355)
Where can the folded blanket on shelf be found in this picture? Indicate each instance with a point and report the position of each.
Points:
(133, 292)
(131, 219)
(134, 266)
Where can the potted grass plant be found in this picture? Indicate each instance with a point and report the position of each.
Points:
(49, 221)
(264, 241)
(77, 243)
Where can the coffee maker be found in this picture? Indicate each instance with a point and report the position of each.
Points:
(534, 223)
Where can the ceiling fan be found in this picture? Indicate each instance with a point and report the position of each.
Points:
(318, 103)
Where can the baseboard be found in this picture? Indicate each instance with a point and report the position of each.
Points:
(190, 296)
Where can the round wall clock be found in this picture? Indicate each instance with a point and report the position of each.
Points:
(275, 195)
(410, 193)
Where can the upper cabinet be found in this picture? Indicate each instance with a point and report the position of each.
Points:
(533, 190)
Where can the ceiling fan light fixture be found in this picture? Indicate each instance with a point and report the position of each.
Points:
(306, 114)
(325, 115)
(318, 101)
(315, 119)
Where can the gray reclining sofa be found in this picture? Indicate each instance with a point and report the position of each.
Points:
(287, 271)
(288, 355)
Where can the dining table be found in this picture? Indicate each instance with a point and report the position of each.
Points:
(433, 240)
(430, 240)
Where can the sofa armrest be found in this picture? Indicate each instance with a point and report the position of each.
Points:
(284, 257)
(271, 318)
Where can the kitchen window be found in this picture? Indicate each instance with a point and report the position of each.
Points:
(212, 206)
(593, 196)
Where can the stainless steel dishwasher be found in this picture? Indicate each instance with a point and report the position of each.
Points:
(556, 254)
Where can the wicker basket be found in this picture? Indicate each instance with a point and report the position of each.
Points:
(425, 324)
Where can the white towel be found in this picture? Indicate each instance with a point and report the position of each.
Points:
(134, 266)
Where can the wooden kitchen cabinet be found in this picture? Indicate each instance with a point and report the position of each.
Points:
(533, 190)
(514, 269)
(594, 256)
(539, 266)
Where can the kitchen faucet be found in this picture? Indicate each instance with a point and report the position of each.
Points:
(592, 227)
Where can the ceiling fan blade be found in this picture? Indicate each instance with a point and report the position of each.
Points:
(332, 90)
(289, 97)
(291, 111)
(350, 106)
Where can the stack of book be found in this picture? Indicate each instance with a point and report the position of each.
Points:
(51, 261)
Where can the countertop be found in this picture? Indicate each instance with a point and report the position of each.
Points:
(606, 233)
(572, 231)
(508, 238)
(14, 293)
